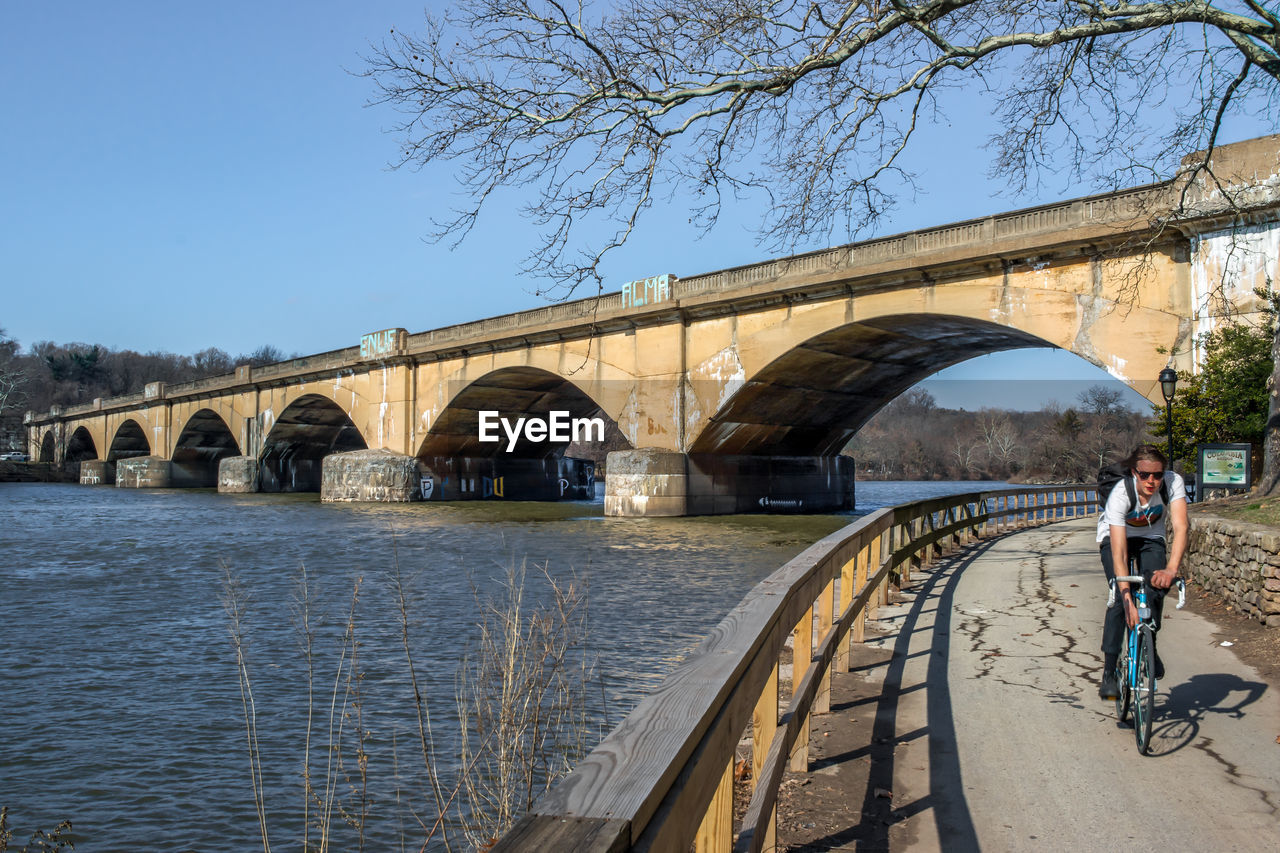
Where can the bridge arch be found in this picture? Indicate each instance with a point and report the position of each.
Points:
(309, 428)
(513, 392)
(129, 441)
(48, 447)
(457, 465)
(810, 400)
(205, 440)
(858, 352)
(80, 447)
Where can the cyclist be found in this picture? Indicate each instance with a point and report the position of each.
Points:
(1134, 527)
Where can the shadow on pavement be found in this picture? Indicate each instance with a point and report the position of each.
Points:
(1179, 712)
(930, 598)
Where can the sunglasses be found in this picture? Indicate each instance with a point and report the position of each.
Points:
(1148, 475)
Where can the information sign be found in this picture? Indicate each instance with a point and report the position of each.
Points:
(1224, 466)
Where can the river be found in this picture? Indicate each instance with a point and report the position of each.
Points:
(120, 702)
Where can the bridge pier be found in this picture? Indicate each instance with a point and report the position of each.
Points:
(97, 472)
(238, 475)
(143, 472)
(652, 483)
(370, 475)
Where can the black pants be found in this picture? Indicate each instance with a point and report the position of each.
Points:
(1149, 556)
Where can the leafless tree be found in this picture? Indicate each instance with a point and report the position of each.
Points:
(599, 108)
(1000, 437)
(211, 362)
(12, 380)
(1101, 400)
(13, 391)
(968, 453)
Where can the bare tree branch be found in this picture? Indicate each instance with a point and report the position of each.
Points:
(596, 109)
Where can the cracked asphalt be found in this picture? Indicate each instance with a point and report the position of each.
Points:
(984, 683)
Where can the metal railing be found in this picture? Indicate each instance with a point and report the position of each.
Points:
(663, 779)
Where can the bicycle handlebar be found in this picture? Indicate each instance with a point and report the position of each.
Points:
(1180, 583)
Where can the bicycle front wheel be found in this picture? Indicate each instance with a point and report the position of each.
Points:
(1144, 696)
(1122, 680)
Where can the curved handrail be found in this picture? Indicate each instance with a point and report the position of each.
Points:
(662, 780)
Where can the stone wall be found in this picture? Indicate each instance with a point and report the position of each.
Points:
(1239, 562)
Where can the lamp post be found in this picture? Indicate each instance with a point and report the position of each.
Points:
(1168, 385)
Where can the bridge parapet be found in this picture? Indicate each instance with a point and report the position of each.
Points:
(221, 382)
(318, 363)
(663, 779)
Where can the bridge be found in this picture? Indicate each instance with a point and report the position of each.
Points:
(731, 391)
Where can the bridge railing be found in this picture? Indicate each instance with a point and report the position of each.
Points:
(663, 779)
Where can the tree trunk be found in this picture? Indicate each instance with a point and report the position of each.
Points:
(1270, 482)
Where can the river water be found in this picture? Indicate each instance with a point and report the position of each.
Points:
(120, 701)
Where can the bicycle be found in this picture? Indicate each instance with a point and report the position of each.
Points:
(1136, 667)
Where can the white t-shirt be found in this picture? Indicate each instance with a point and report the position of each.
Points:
(1145, 520)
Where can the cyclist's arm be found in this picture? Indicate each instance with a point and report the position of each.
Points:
(1120, 560)
(1164, 578)
(1120, 553)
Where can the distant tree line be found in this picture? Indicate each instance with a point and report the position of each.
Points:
(50, 374)
(913, 438)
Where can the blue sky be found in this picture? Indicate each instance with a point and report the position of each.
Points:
(181, 176)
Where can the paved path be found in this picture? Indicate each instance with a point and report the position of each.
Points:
(988, 732)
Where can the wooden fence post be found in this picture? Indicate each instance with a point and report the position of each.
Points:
(715, 834)
(801, 657)
(848, 574)
(764, 725)
(822, 702)
(860, 573)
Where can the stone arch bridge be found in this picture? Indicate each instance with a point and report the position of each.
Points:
(730, 391)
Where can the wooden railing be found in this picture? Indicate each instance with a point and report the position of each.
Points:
(663, 779)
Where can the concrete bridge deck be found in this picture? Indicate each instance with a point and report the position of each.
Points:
(973, 722)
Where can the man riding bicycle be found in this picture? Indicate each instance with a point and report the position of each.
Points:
(1132, 526)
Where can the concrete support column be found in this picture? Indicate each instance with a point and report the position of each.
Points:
(143, 472)
(646, 483)
(370, 475)
(97, 472)
(649, 483)
(238, 475)
(721, 484)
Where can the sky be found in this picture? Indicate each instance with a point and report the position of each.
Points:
(181, 176)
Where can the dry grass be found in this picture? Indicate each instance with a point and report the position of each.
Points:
(521, 702)
(521, 705)
(1248, 508)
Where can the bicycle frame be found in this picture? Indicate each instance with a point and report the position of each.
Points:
(1136, 666)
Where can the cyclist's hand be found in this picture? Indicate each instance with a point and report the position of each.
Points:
(1163, 579)
(1131, 611)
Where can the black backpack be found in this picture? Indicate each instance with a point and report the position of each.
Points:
(1118, 472)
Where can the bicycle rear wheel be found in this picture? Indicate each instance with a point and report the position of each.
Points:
(1144, 699)
(1122, 680)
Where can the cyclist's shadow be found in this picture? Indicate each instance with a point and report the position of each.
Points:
(1178, 716)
